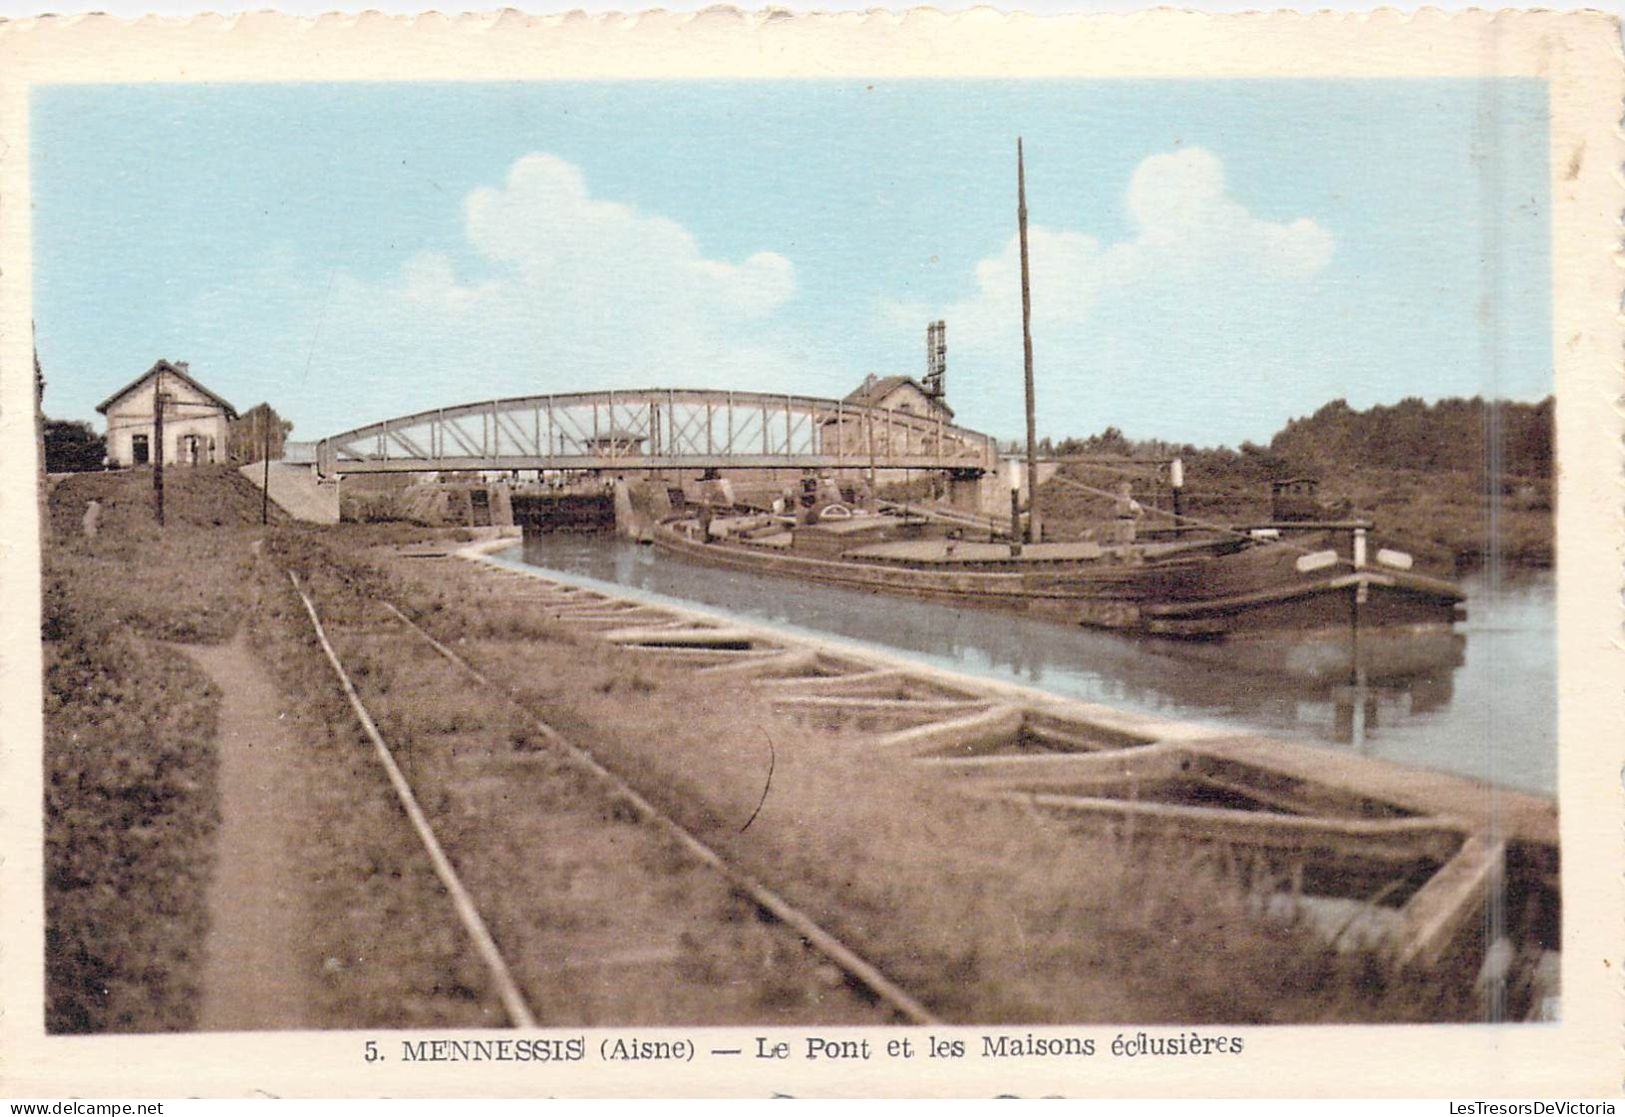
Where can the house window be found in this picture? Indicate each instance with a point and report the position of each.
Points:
(138, 449)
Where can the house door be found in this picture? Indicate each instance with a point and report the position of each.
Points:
(138, 449)
(191, 449)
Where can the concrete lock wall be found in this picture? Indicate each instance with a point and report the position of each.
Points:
(984, 495)
(989, 493)
(639, 506)
(298, 491)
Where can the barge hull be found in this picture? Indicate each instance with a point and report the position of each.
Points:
(1233, 597)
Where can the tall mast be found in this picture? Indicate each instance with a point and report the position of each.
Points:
(1033, 529)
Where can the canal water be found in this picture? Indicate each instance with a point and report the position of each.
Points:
(1493, 716)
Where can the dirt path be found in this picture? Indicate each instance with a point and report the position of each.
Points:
(251, 974)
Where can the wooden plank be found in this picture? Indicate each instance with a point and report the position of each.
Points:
(1160, 761)
(614, 618)
(1397, 840)
(1084, 736)
(653, 636)
(657, 622)
(1445, 906)
(990, 727)
(770, 662)
(577, 606)
(1516, 815)
(859, 702)
(836, 682)
(697, 658)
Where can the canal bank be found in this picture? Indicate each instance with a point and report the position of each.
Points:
(979, 905)
(1487, 710)
(1449, 855)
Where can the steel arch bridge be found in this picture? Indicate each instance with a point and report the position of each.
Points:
(657, 428)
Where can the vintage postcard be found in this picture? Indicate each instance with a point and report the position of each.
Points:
(746, 554)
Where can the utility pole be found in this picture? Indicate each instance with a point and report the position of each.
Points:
(265, 489)
(1033, 527)
(158, 447)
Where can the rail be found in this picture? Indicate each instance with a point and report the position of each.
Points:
(501, 975)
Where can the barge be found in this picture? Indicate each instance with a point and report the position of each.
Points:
(1305, 605)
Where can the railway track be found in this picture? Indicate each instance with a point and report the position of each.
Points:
(858, 972)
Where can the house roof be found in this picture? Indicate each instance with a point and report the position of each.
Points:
(876, 388)
(174, 368)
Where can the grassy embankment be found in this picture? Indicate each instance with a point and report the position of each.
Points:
(130, 797)
(130, 765)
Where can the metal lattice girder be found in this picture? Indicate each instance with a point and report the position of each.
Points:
(656, 428)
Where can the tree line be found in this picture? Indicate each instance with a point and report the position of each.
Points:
(1452, 434)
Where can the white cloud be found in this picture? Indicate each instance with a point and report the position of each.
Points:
(1201, 286)
(556, 236)
(1187, 218)
(570, 292)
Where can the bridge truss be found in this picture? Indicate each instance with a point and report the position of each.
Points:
(660, 428)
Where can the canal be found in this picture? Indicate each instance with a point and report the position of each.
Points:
(1493, 716)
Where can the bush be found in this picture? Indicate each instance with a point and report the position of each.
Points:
(130, 811)
(72, 447)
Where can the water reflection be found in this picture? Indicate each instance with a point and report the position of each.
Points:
(1483, 703)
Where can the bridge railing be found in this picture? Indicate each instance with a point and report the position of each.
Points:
(656, 428)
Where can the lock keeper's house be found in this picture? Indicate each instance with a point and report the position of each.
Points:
(196, 421)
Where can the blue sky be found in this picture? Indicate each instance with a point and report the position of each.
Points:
(1210, 258)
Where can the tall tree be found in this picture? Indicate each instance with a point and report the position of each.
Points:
(249, 432)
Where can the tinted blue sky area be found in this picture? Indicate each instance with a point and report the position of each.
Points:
(1209, 258)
